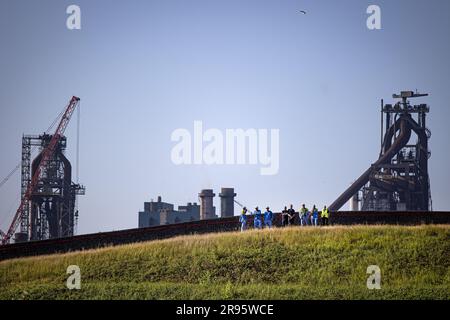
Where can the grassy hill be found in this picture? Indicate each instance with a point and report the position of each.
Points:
(293, 263)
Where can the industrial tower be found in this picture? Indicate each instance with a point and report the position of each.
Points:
(51, 212)
(48, 204)
(398, 180)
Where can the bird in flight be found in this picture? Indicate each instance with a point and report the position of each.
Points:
(303, 11)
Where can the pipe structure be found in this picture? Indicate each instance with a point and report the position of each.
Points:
(390, 152)
(420, 130)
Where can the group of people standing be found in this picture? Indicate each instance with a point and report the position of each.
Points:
(257, 218)
(289, 216)
(306, 217)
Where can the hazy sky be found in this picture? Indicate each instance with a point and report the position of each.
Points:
(146, 68)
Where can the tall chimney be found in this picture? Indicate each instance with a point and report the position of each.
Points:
(206, 204)
(227, 202)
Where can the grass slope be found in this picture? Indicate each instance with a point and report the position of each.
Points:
(293, 263)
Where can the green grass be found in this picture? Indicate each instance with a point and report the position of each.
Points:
(294, 263)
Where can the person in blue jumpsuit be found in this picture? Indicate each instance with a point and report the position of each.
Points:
(314, 216)
(257, 218)
(268, 217)
(243, 219)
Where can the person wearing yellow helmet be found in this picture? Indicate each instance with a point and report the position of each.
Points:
(243, 219)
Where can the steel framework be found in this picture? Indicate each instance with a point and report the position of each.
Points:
(48, 199)
(398, 180)
(52, 207)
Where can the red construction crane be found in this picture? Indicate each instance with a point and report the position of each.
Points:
(46, 156)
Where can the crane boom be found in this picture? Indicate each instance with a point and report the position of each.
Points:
(46, 155)
(239, 204)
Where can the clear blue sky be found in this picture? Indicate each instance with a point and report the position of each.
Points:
(146, 68)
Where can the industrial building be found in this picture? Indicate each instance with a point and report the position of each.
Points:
(163, 213)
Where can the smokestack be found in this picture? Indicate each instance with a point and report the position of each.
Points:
(227, 202)
(206, 204)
